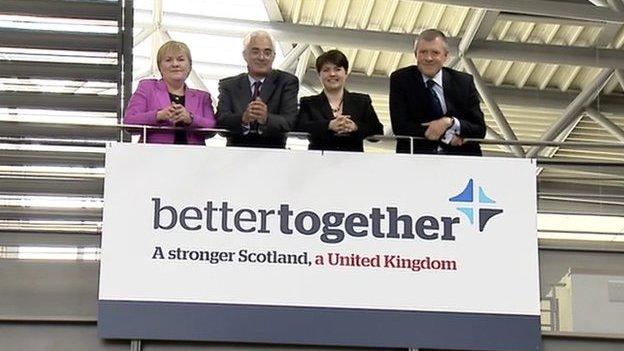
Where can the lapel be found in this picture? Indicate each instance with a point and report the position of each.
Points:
(243, 96)
(162, 95)
(190, 99)
(420, 93)
(324, 106)
(449, 92)
(347, 105)
(268, 86)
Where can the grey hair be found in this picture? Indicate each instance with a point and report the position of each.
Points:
(258, 34)
(430, 35)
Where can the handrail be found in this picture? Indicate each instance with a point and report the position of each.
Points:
(373, 138)
(509, 142)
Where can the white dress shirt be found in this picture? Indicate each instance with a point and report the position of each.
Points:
(438, 89)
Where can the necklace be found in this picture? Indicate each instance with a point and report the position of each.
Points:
(335, 110)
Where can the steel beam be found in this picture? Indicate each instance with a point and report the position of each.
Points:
(125, 57)
(492, 134)
(555, 54)
(574, 109)
(617, 5)
(316, 50)
(607, 34)
(602, 3)
(302, 65)
(61, 156)
(560, 9)
(58, 70)
(619, 73)
(293, 55)
(57, 101)
(478, 24)
(517, 17)
(605, 123)
(59, 130)
(550, 151)
(491, 104)
(87, 10)
(144, 34)
(56, 40)
(400, 42)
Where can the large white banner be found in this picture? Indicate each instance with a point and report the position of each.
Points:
(345, 230)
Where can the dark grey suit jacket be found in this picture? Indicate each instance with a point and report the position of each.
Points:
(278, 92)
(410, 107)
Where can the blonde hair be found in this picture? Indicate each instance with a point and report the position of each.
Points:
(173, 46)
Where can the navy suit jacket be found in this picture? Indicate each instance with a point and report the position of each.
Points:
(315, 114)
(410, 107)
(279, 92)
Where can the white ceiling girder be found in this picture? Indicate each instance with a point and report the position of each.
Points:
(517, 17)
(293, 55)
(491, 134)
(616, 5)
(605, 123)
(560, 9)
(399, 42)
(302, 64)
(555, 54)
(316, 50)
(472, 29)
(583, 99)
(602, 3)
(607, 34)
(619, 73)
(492, 106)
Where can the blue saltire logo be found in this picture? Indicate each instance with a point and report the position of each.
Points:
(481, 203)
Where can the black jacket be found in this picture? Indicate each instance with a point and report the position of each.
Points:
(315, 114)
(409, 108)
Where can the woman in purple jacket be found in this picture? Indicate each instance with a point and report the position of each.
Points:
(169, 102)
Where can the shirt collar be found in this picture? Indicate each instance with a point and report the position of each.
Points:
(252, 80)
(437, 78)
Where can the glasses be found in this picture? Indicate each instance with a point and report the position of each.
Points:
(257, 52)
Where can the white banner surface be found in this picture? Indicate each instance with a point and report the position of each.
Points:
(345, 230)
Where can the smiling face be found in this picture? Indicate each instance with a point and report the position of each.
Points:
(431, 56)
(332, 77)
(174, 66)
(259, 55)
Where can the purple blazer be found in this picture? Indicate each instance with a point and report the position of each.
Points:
(152, 95)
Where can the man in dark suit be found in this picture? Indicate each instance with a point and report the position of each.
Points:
(439, 104)
(259, 106)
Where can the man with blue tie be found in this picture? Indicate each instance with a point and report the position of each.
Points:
(435, 102)
(260, 105)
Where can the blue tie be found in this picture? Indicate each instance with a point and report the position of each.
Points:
(434, 101)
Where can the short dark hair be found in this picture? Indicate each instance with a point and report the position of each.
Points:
(332, 56)
(431, 35)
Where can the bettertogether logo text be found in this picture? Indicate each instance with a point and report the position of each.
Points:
(332, 227)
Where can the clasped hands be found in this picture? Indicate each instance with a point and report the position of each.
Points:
(342, 124)
(437, 128)
(256, 112)
(175, 113)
